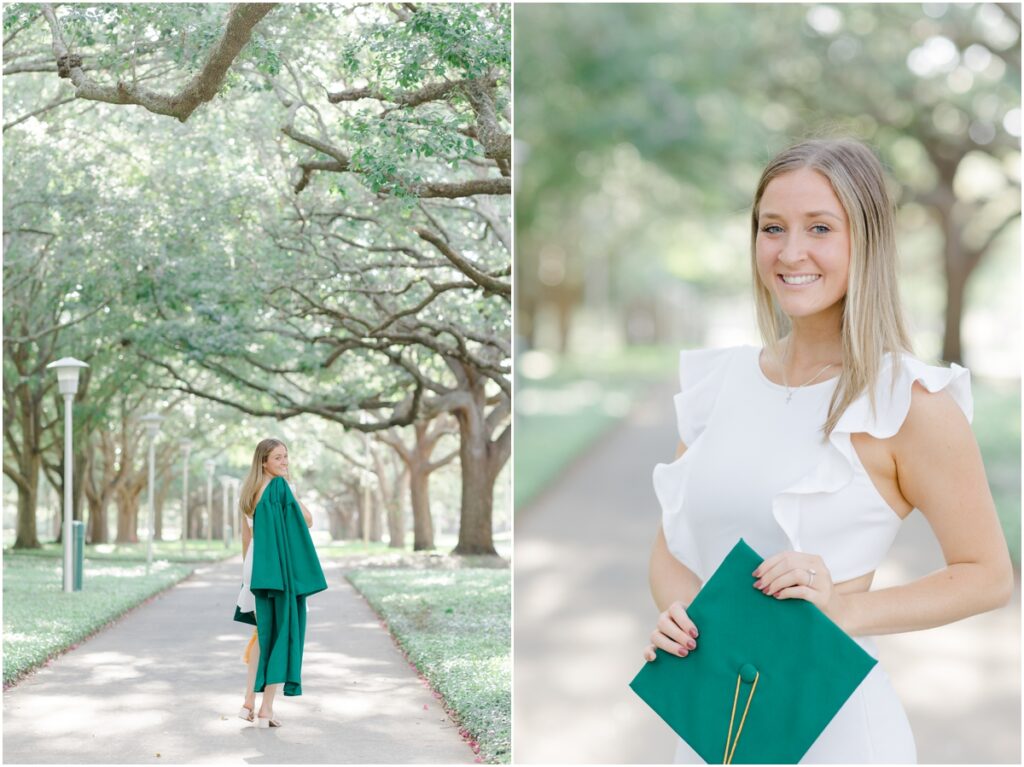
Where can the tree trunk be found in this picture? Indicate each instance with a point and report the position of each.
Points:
(28, 496)
(396, 524)
(376, 526)
(127, 501)
(195, 514)
(336, 522)
(956, 286)
(422, 523)
(215, 516)
(97, 530)
(475, 521)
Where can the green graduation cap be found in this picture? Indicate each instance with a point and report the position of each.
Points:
(766, 678)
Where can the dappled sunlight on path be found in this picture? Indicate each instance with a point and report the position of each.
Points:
(166, 681)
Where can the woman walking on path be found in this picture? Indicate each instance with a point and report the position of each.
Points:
(816, 447)
(280, 569)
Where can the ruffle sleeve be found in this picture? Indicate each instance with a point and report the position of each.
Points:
(701, 374)
(816, 516)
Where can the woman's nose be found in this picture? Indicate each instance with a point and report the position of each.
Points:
(793, 253)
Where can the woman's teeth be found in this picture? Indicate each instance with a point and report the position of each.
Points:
(801, 279)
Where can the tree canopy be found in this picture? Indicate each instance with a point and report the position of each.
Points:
(281, 209)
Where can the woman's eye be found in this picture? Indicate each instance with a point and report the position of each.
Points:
(820, 229)
(769, 229)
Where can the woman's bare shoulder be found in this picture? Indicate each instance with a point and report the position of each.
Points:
(932, 416)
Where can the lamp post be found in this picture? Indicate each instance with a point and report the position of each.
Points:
(186, 447)
(67, 380)
(225, 485)
(210, 465)
(152, 424)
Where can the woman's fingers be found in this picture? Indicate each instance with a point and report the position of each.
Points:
(668, 626)
(668, 645)
(678, 614)
(649, 653)
(675, 632)
(784, 581)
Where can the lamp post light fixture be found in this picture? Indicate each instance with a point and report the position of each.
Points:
(210, 465)
(152, 423)
(186, 448)
(67, 381)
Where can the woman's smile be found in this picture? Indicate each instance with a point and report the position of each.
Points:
(798, 280)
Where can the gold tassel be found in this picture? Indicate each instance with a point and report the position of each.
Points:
(727, 759)
(252, 641)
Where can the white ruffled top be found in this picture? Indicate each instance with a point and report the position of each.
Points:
(760, 468)
(246, 599)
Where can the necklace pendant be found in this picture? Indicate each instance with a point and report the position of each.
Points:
(789, 396)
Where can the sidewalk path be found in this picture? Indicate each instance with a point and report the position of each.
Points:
(583, 613)
(164, 684)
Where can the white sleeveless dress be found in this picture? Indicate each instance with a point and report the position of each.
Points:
(246, 600)
(759, 468)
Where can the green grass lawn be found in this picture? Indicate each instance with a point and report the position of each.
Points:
(455, 626)
(170, 551)
(559, 416)
(40, 620)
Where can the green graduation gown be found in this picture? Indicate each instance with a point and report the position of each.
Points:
(285, 570)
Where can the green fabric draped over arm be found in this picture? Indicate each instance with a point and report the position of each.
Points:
(285, 570)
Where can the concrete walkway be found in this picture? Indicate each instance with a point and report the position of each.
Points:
(583, 613)
(165, 683)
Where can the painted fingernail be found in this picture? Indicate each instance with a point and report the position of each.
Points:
(682, 653)
(691, 644)
(758, 584)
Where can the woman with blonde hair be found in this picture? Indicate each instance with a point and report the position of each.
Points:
(815, 447)
(280, 569)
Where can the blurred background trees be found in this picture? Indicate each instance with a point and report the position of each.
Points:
(642, 130)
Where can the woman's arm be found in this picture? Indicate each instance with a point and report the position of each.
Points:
(940, 471)
(671, 580)
(305, 512)
(246, 537)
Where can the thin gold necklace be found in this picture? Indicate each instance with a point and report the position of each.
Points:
(785, 382)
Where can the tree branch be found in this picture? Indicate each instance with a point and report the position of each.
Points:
(482, 279)
(203, 87)
(41, 110)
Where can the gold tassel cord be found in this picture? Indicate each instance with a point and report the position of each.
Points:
(248, 647)
(727, 759)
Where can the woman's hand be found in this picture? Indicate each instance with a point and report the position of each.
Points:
(796, 575)
(675, 633)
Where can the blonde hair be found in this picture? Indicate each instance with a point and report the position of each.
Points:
(253, 482)
(872, 318)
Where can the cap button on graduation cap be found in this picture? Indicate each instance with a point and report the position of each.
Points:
(748, 673)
